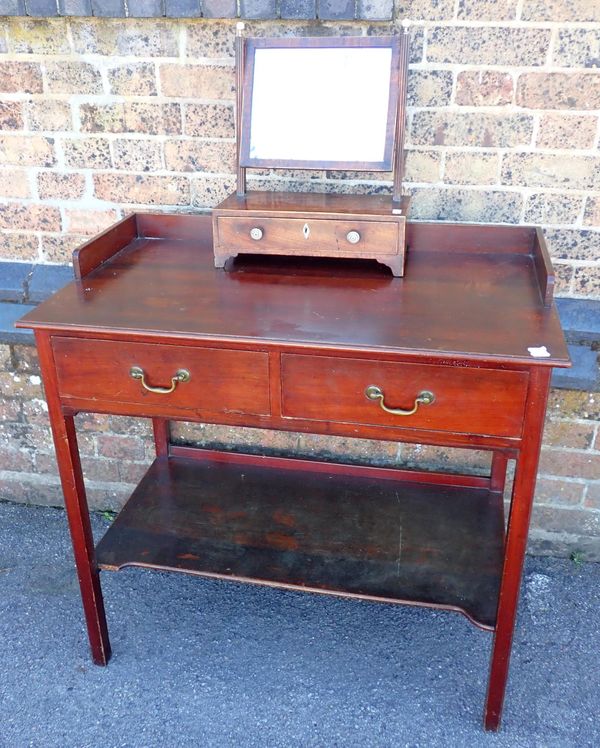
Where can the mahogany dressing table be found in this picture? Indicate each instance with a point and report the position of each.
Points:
(457, 353)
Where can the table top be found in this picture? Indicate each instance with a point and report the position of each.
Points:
(478, 301)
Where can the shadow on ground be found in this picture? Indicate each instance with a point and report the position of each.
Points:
(208, 663)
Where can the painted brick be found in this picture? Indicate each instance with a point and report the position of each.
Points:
(144, 8)
(486, 45)
(197, 81)
(336, 9)
(136, 37)
(135, 154)
(258, 9)
(573, 244)
(60, 186)
(142, 189)
(20, 77)
(14, 183)
(559, 90)
(579, 48)
(484, 88)
(487, 10)
(87, 153)
(479, 206)
(471, 168)
(560, 10)
(75, 7)
(73, 78)
(41, 8)
(425, 10)
(429, 88)
(547, 207)
(133, 79)
(562, 131)
(184, 8)
(88, 222)
(471, 129)
(26, 150)
(375, 10)
(48, 115)
(110, 8)
(209, 120)
(44, 282)
(299, 9)
(37, 36)
(219, 8)
(550, 170)
(196, 155)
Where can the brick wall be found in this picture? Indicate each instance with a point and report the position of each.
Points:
(100, 116)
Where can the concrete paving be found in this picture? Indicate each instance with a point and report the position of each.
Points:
(208, 663)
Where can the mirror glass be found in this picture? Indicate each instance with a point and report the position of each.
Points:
(314, 107)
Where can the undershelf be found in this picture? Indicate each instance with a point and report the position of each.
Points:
(351, 534)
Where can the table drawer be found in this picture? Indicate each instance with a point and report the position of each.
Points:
(466, 400)
(314, 236)
(219, 380)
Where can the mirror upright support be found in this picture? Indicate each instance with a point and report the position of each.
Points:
(399, 155)
(240, 54)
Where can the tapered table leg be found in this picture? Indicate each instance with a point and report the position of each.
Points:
(69, 467)
(515, 544)
(162, 436)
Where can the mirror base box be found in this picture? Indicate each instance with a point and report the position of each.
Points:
(311, 225)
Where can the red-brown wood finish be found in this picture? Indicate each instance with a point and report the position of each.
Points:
(71, 476)
(292, 345)
(311, 225)
(219, 380)
(543, 265)
(473, 401)
(102, 247)
(516, 542)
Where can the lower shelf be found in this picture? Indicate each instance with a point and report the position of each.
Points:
(346, 534)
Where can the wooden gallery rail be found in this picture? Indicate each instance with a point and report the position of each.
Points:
(457, 353)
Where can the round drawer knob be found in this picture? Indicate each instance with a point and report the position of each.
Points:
(256, 234)
(353, 237)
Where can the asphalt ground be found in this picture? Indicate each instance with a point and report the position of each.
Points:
(206, 663)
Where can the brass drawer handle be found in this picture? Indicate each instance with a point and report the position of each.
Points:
(182, 375)
(376, 393)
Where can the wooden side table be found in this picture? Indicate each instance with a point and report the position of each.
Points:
(457, 353)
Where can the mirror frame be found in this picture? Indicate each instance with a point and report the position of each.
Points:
(396, 103)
